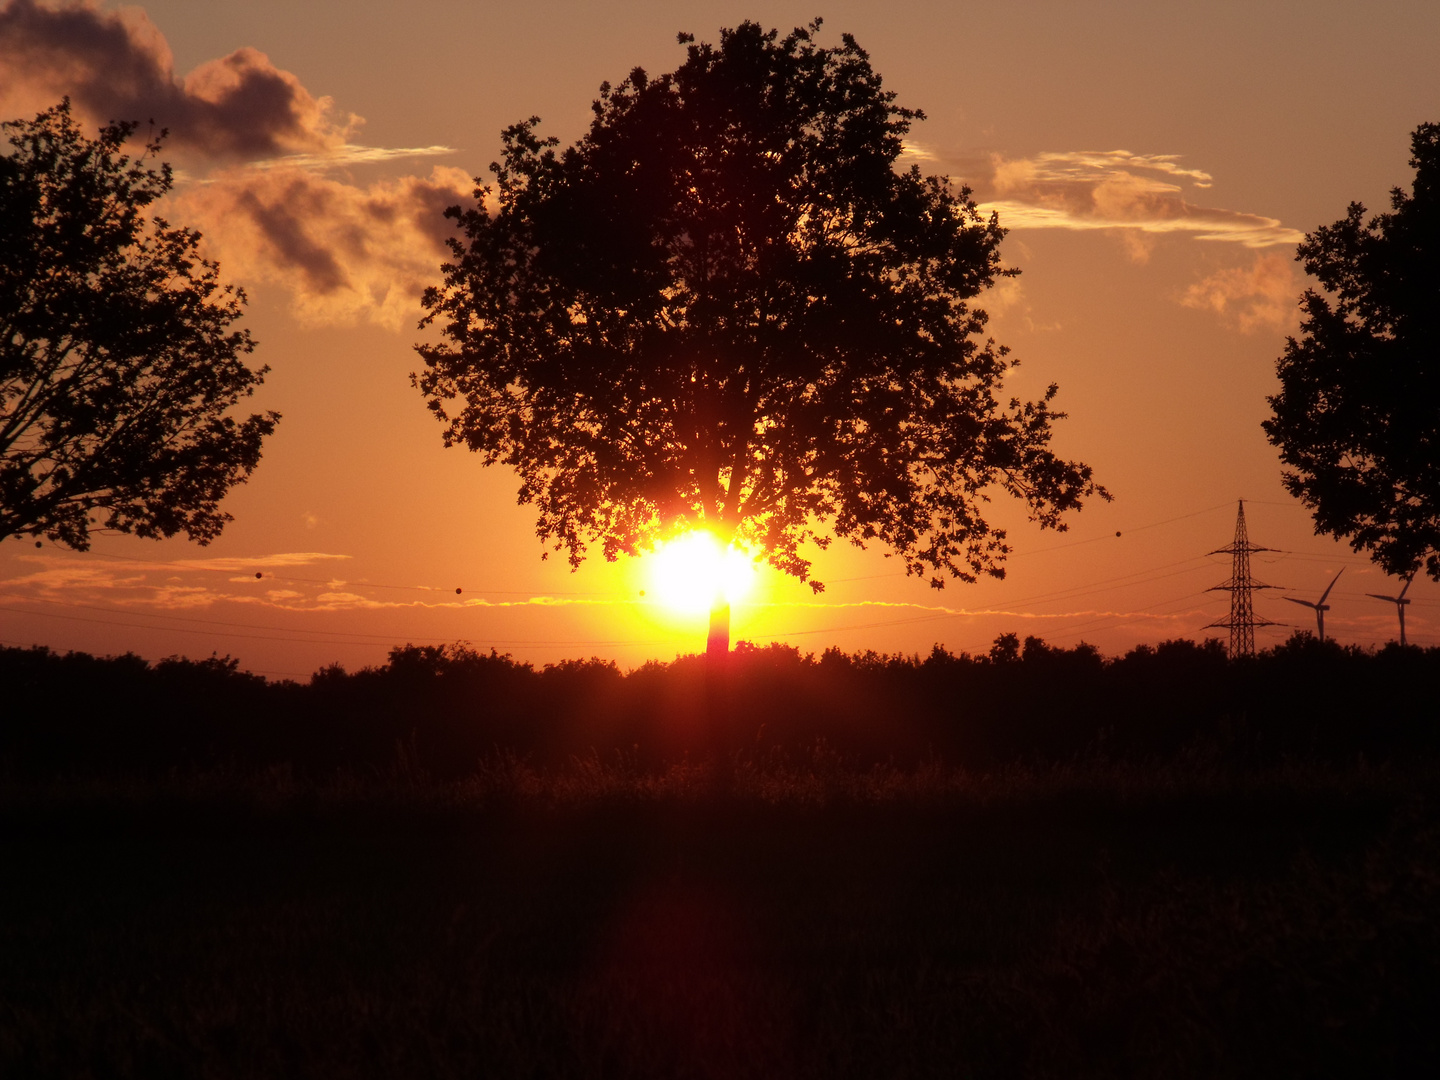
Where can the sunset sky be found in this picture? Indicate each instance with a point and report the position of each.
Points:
(1155, 164)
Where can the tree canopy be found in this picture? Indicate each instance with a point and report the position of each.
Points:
(1357, 418)
(118, 361)
(727, 307)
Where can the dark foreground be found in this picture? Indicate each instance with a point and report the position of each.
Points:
(1121, 920)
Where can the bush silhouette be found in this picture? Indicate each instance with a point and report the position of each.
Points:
(441, 710)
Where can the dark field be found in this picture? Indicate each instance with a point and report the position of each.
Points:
(809, 921)
(1039, 862)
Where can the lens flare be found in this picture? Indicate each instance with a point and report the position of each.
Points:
(686, 572)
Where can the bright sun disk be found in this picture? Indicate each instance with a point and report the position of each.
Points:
(686, 572)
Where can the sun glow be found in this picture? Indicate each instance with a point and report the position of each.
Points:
(686, 572)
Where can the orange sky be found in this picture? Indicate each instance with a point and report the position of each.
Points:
(1155, 167)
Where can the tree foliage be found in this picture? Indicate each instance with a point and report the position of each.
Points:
(726, 307)
(1357, 420)
(118, 361)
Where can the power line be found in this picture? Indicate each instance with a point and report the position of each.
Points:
(1058, 547)
(1132, 529)
(1067, 594)
(336, 637)
(1153, 611)
(302, 635)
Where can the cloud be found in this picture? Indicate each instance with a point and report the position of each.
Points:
(1009, 306)
(1115, 189)
(61, 575)
(350, 154)
(250, 562)
(263, 160)
(93, 583)
(1263, 296)
(1119, 160)
(345, 252)
(116, 65)
(915, 153)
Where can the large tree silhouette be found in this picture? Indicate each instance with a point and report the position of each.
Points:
(725, 308)
(1357, 419)
(118, 364)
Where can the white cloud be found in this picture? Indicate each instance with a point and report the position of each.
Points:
(1114, 190)
(349, 154)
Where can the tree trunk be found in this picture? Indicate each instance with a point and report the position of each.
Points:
(717, 646)
(717, 695)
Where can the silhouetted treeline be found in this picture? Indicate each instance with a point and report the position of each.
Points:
(441, 709)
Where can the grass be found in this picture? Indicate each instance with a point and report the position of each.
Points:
(802, 919)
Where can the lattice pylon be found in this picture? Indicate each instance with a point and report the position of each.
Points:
(1243, 620)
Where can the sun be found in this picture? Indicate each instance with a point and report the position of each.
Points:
(686, 572)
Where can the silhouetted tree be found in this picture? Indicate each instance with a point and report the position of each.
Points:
(724, 308)
(118, 363)
(1357, 420)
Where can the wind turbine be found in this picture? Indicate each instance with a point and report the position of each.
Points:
(1321, 607)
(1399, 602)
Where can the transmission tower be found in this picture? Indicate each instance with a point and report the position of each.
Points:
(1243, 620)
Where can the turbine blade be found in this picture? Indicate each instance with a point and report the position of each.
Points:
(1292, 600)
(1331, 585)
(1403, 591)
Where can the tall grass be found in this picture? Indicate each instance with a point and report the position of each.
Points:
(810, 919)
(1041, 864)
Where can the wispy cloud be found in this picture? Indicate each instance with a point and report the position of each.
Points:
(916, 153)
(265, 582)
(1113, 190)
(1080, 162)
(58, 575)
(350, 154)
(282, 559)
